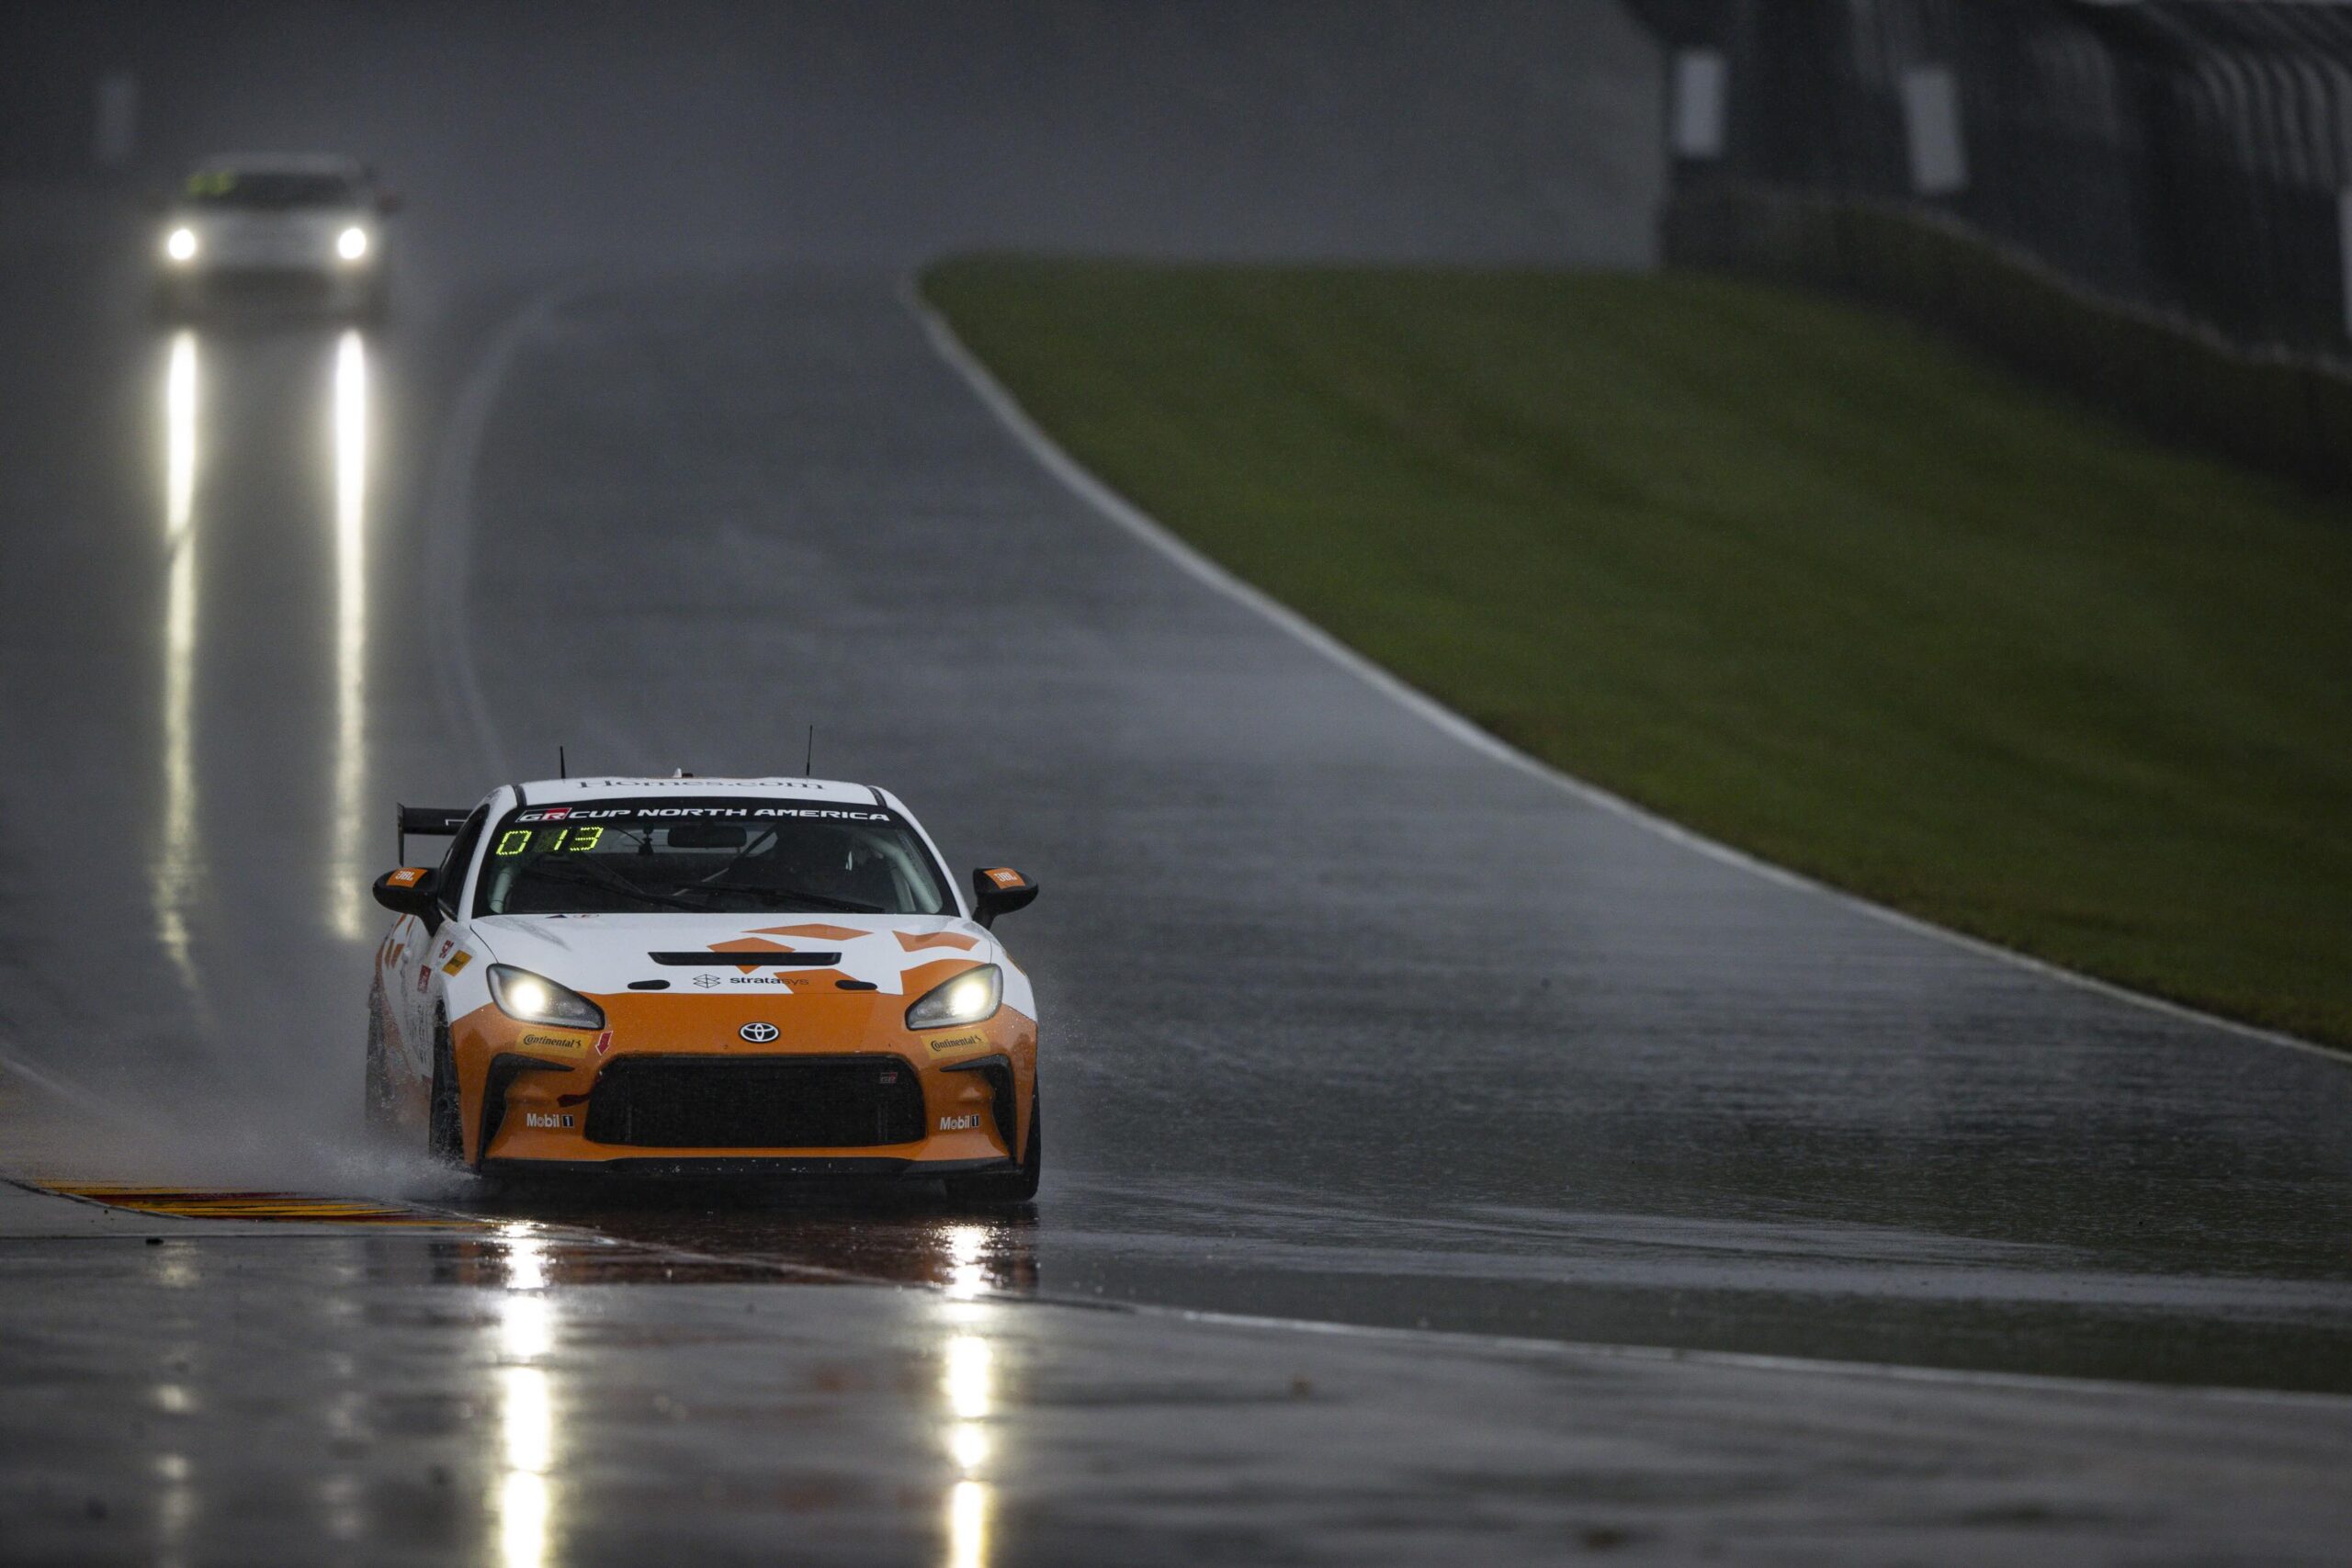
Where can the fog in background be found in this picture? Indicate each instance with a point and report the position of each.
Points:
(698, 134)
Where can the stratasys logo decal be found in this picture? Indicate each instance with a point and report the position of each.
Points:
(759, 1033)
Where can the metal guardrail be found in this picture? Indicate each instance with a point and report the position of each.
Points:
(2193, 157)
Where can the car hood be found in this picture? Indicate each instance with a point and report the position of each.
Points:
(603, 953)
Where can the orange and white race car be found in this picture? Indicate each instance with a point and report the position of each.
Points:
(690, 974)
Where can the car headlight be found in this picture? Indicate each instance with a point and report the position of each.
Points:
(180, 244)
(352, 243)
(534, 999)
(967, 998)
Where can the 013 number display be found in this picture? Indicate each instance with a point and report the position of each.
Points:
(578, 841)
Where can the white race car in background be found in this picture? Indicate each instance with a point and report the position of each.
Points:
(688, 974)
(274, 229)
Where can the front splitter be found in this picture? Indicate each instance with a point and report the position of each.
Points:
(753, 1167)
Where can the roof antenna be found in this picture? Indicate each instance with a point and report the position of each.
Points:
(809, 762)
(562, 768)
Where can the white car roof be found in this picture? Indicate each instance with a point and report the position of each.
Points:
(543, 792)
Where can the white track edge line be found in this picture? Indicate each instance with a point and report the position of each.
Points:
(791, 1273)
(1752, 1360)
(1118, 509)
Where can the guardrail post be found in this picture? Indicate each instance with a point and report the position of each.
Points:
(2343, 253)
(1698, 129)
(113, 136)
(1931, 127)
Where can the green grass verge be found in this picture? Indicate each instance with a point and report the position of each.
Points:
(1780, 569)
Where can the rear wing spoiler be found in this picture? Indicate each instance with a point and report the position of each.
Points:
(432, 821)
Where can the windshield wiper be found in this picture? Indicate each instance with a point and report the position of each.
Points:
(604, 877)
(822, 900)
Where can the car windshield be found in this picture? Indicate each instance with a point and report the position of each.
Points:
(713, 856)
(270, 188)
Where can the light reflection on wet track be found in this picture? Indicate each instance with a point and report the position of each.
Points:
(347, 871)
(176, 866)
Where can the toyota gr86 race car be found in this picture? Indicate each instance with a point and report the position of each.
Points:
(691, 975)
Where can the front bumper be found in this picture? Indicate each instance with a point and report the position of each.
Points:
(705, 1168)
(846, 1091)
(227, 286)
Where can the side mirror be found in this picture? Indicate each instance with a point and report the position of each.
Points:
(1000, 890)
(409, 891)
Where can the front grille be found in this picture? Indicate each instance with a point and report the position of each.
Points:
(756, 1102)
(268, 285)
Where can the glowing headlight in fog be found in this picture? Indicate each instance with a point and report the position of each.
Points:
(180, 244)
(967, 998)
(352, 243)
(534, 998)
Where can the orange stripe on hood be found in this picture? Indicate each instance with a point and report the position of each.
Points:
(936, 939)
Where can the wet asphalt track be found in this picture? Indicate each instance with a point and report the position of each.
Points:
(1347, 1022)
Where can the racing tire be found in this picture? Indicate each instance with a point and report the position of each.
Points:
(382, 1114)
(1006, 1186)
(445, 1138)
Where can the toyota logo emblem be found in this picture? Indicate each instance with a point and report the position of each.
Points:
(759, 1033)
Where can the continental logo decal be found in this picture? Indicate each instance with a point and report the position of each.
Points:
(457, 965)
(959, 1042)
(537, 1042)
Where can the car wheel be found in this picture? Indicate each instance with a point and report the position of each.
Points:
(1007, 1186)
(445, 1139)
(381, 1112)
